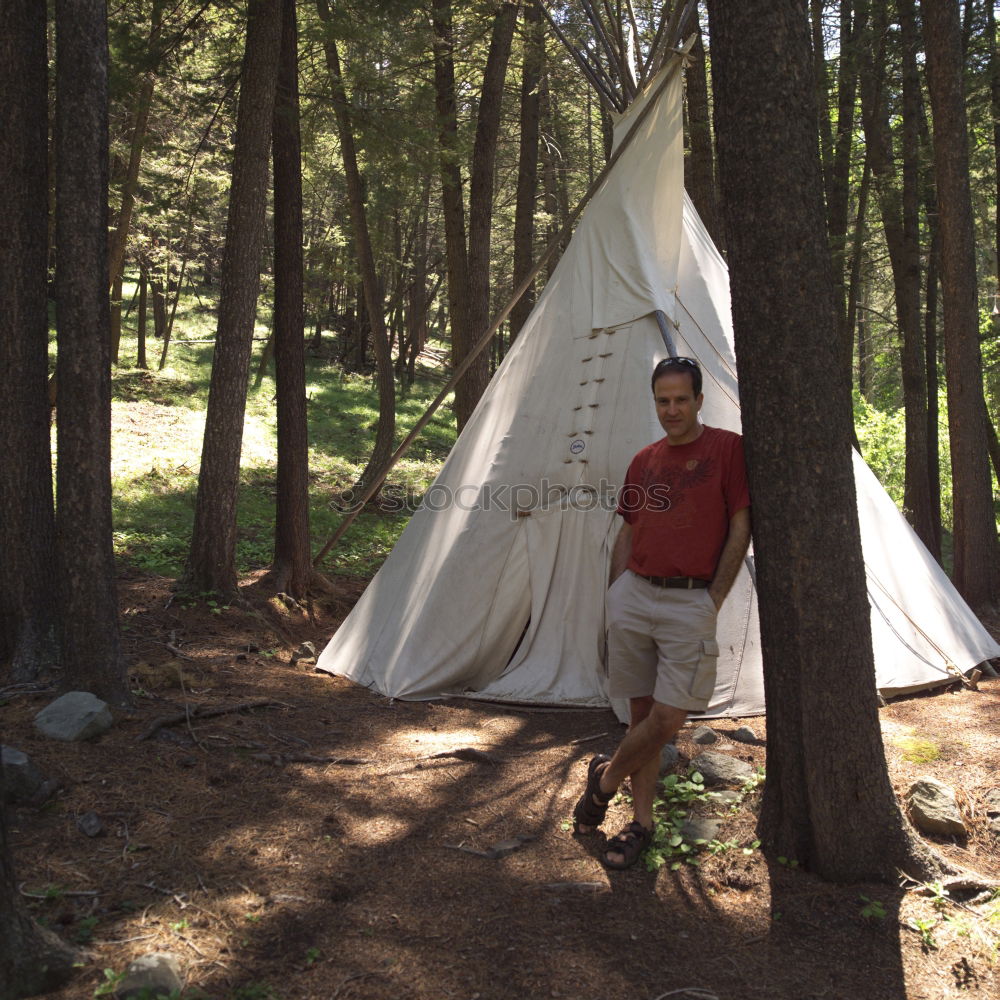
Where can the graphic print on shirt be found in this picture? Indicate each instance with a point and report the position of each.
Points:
(668, 488)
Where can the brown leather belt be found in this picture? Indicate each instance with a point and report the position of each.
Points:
(681, 582)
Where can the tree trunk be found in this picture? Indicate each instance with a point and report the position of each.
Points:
(291, 571)
(702, 187)
(28, 615)
(917, 494)
(898, 205)
(32, 959)
(116, 318)
(91, 645)
(819, 674)
(140, 325)
(373, 298)
(851, 39)
(211, 564)
(931, 368)
(991, 28)
(527, 167)
(452, 202)
(977, 559)
(473, 383)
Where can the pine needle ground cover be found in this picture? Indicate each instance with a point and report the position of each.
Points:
(158, 420)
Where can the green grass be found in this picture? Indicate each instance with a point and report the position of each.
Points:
(158, 423)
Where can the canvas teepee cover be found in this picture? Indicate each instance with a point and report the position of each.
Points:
(495, 589)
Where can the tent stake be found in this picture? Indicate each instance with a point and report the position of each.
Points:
(484, 341)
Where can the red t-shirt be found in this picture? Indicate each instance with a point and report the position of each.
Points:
(679, 500)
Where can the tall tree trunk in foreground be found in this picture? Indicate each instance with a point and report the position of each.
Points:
(32, 959)
(977, 559)
(91, 644)
(527, 167)
(28, 613)
(211, 564)
(372, 289)
(819, 674)
(291, 570)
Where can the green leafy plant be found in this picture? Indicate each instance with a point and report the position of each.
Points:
(110, 984)
(924, 926)
(312, 955)
(84, 930)
(873, 909)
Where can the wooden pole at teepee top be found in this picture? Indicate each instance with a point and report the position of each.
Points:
(483, 342)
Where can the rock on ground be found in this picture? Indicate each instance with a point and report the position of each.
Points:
(155, 974)
(704, 735)
(22, 780)
(77, 715)
(721, 769)
(933, 808)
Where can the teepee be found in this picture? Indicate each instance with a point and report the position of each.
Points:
(495, 589)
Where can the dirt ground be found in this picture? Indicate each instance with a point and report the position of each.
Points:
(315, 846)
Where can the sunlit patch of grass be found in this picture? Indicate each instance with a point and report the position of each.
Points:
(158, 423)
(917, 749)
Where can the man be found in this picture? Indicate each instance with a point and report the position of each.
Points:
(686, 527)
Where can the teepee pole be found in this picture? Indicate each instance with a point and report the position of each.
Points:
(484, 341)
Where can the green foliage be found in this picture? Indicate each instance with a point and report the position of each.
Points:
(873, 909)
(918, 750)
(158, 423)
(924, 926)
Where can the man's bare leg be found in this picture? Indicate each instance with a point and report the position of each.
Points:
(638, 754)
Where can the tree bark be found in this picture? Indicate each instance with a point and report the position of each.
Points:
(898, 205)
(977, 560)
(819, 675)
(140, 324)
(852, 29)
(452, 201)
(527, 167)
(28, 614)
(32, 959)
(291, 570)
(211, 564)
(478, 308)
(91, 645)
(372, 290)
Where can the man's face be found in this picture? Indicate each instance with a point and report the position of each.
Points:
(677, 407)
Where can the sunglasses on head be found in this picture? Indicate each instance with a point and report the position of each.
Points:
(680, 362)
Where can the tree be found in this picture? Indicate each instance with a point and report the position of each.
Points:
(533, 62)
(211, 564)
(469, 267)
(91, 645)
(977, 558)
(28, 612)
(375, 307)
(819, 675)
(291, 570)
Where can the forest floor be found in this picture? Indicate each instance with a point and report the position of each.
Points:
(315, 847)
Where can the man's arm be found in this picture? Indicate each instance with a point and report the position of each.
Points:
(621, 552)
(737, 542)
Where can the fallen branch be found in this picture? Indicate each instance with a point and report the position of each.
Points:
(55, 893)
(205, 712)
(470, 754)
(304, 758)
(587, 739)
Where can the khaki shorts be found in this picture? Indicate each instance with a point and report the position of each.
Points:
(661, 642)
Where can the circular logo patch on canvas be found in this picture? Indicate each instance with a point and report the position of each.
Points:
(577, 446)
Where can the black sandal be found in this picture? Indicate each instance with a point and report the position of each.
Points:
(630, 844)
(588, 812)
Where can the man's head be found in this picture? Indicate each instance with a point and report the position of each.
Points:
(678, 398)
(682, 365)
